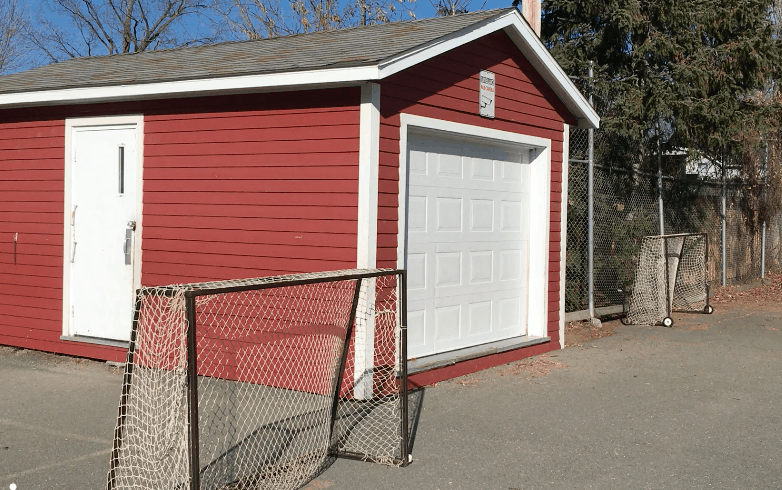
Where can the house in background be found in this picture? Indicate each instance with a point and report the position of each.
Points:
(434, 145)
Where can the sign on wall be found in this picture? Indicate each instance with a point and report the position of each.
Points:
(486, 95)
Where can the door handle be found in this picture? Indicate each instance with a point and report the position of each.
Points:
(128, 245)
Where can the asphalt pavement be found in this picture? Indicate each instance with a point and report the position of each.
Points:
(698, 405)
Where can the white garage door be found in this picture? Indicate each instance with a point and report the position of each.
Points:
(467, 242)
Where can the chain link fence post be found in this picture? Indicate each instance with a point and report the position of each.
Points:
(660, 181)
(765, 195)
(763, 251)
(591, 200)
(724, 217)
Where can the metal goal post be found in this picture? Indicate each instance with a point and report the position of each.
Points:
(671, 275)
(258, 383)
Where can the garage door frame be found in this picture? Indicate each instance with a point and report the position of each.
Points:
(540, 200)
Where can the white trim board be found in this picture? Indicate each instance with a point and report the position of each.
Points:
(136, 121)
(563, 233)
(368, 168)
(366, 247)
(540, 201)
(186, 88)
(511, 22)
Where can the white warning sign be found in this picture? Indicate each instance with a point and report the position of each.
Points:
(486, 96)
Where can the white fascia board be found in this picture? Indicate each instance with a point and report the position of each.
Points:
(184, 88)
(528, 43)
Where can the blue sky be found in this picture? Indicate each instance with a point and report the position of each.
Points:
(423, 9)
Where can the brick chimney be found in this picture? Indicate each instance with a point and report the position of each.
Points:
(530, 9)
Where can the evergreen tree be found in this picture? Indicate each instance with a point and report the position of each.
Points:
(699, 72)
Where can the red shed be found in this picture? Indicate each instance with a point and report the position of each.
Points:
(434, 145)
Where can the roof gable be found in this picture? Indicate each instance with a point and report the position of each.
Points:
(332, 58)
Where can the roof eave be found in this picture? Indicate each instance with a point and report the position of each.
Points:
(510, 21)
(296, 80)
(532, 47)
(528, 43)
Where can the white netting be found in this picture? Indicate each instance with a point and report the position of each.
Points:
(371, 395)
(670, 276)
(154, 402)
(268, 363)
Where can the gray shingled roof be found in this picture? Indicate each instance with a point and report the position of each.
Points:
(358, 46)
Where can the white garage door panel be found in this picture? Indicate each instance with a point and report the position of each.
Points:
(458, 213)
(416, 327)
(467, 243)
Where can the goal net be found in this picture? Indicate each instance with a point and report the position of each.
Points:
(258, 383)
(670, 276)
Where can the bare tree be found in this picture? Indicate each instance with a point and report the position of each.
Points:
(13, 27)
(119, 26)
(381, 11)
(453, 7)
(258, 19)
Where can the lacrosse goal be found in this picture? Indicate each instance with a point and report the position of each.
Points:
(671, 275)
(257, 383)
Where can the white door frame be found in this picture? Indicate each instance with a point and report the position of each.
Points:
(130, 121)
(540, 202)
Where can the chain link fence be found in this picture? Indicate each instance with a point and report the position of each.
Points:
(626, 208)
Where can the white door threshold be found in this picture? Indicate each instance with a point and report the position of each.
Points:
(449, 358)
(96, 340)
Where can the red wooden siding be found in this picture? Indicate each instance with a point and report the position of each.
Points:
(446, 87)
(32, 163)
(255, 189)
(234, 187)
(31, 205)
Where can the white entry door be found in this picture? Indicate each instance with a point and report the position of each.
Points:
(467, 242)
(102, 231)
